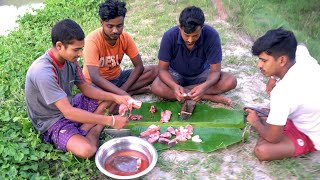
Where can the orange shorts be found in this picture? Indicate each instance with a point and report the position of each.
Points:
(302, 142)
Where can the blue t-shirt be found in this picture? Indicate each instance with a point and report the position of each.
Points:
(206, 51)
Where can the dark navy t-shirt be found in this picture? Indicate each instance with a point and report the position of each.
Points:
(206, 51)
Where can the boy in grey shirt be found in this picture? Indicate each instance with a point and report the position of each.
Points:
(71, 123)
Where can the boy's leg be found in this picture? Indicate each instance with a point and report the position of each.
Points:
(293, 143)
(103, 105)
(79, 139)
(159, 88)
(224, 84)
(86, 146)
(142, 84)
(266, 151)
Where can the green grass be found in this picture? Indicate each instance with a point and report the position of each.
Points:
(22, 153)
(255, 17)
(212, 164)
(290, 167)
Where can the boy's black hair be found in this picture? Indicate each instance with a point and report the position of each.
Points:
(190, 18)
(111, 9)
(276, 42)
(66, 31)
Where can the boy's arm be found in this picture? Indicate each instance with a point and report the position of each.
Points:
(271, 133)
(83, 116)
(135, 74)
(167, 79)
(103, 83)
(99, 94)
(213, 77)
(80, 115)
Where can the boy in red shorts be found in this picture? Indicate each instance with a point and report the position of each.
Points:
(292, 127)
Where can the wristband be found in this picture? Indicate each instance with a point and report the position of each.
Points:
(113, 120)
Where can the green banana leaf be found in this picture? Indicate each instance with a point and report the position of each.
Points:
(213, 138)
(203, 115)
(217, 127)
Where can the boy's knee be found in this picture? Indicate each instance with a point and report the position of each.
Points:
(261, 152)
(86, 151)
(232, 82)
(155, 87)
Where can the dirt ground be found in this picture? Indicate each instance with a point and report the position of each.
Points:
(236, 161)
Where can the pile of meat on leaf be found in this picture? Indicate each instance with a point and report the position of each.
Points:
(153, 134)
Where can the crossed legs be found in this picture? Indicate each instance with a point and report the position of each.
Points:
(266, 151)
(142, 84)
(86, 146)
(226, 83)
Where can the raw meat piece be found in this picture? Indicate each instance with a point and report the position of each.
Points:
(164, 140)
(135, 117)
(127, 163)
(123, 109)
(189, 128)
(183, 134)
(166, 134)
(181, 138)
(153, 137)
(153, 109)
(172, 142)
(132, 104)
(165, 116)
(150, 130)
(171, 130)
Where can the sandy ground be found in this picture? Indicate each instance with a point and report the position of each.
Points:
(237, 161)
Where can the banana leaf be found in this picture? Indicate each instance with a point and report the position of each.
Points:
(203, 115)
(217, 127)
(213, 138)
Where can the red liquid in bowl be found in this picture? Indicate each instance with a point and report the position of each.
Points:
(136, 154)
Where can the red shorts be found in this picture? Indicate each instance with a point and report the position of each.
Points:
(302, 143)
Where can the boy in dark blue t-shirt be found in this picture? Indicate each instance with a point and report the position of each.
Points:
(190, 62)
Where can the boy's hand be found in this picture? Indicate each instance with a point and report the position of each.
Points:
(252, 116)
(180, 93)
(123, 99)
(197, 92)
(120, 122)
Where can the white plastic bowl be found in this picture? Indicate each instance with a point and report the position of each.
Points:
(126, 143)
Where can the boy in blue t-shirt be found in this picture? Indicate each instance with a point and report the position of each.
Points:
(190, 62)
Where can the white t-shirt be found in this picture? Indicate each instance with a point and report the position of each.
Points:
(297, 97)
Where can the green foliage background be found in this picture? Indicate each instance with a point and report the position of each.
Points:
(22, 154)
(256, 17)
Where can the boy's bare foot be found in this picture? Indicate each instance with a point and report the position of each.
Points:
(218, 99)
(146, 89)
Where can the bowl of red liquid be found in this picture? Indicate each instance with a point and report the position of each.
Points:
(127, 157)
